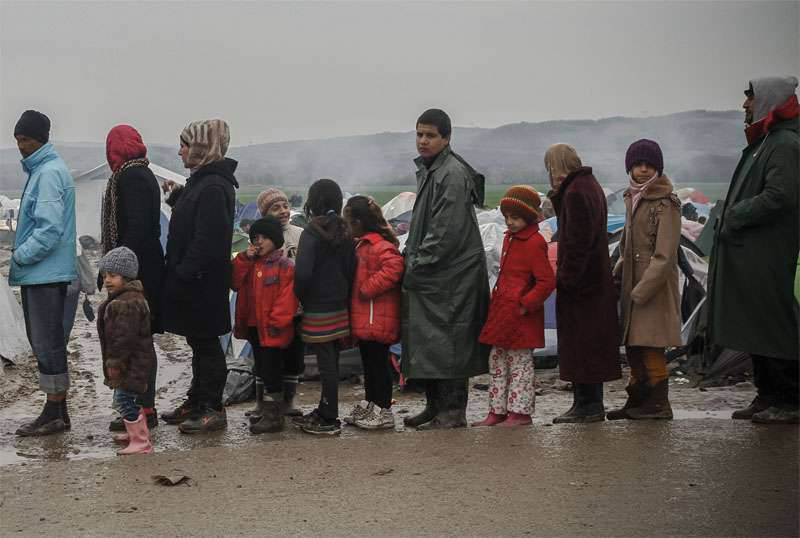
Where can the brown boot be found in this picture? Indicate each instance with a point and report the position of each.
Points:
(636, 396)
(655, 406)
(756, 406)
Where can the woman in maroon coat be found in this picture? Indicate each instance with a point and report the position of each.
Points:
(586, 302)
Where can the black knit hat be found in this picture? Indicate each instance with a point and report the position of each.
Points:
(269, 227)
(34, 125)
(644, 151)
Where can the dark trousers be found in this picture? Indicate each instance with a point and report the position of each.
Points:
(268, 363)
(328, 363)
(294, 356)
(43, 308)
(377, 373)
(148, 398)
(209, 372)
(776, 380)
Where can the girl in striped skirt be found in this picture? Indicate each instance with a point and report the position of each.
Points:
(324, 270)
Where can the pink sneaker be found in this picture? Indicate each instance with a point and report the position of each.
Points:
(490, 420)
(517, 419)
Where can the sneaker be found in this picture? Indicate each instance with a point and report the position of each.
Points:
(179, 414)
(360, 410)
(42, 426)
(376, 419)
(207, 420)
(320, 426)
(306, 419)
(777, 415)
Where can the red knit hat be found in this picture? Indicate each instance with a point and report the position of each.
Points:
(523, 201)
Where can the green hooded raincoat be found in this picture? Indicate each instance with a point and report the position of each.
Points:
(446, 285)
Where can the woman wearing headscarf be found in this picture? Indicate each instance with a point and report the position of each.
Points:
(131, 218)
(198, 270)
(586, 302)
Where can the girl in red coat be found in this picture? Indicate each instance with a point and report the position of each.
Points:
(265, 306)
(374, 308)
(516, 314)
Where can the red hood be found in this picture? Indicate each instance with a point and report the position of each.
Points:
(124, 143)
(787, 111)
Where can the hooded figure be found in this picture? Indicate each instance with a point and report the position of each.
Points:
(198, 270)
(751, 276)
(446, 286)
(131, 218)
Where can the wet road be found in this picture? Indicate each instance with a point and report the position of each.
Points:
(690, 477)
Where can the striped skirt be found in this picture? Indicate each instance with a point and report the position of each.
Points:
(320, 327)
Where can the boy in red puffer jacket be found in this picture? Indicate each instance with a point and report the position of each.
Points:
(515, 326)
(374, 309)
(265, 306)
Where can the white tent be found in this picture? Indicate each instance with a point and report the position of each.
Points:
(90, 187)
(398, 205)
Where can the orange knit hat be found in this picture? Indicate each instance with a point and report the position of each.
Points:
(524, 201)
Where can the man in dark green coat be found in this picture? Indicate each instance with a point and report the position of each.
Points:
(446, 285)
(751, 304)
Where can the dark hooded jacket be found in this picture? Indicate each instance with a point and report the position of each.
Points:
(751, 276)
(198, 265)
(446, 285)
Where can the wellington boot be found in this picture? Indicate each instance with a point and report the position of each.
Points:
(588, 405)
(291, 408)
(516, 419)
(655, 406)
(139, 437)
(272, 418)
(429, 412)
(636, 396)
(451, 405)
(256, 412)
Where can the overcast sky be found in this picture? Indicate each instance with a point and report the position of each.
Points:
(285, 71)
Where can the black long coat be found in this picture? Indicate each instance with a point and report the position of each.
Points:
(139, 229)
(195, 301)
(586, 301)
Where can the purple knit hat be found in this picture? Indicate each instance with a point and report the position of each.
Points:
(644, 151)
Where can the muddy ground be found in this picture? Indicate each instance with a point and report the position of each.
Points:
(687, 475)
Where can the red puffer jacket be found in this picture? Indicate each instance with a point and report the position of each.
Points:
(526, 280)
(375, 304)
(266, 285)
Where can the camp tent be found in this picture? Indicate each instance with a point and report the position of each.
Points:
(402, 203)
(90, 186)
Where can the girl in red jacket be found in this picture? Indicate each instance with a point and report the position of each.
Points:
(374, 308)
(515, 326)
(265, 307)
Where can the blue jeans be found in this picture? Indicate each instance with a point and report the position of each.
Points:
(43, 308)
(125, 403)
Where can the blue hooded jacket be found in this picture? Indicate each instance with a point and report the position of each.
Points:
(45, 250)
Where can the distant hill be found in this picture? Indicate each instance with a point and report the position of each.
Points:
(699, 147)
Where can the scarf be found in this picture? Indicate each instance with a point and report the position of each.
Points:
(787, 111)
(109, 231)
(637, 190)
(208, 142)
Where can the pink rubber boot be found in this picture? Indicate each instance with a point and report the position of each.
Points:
(139, 437)
(491, 419)
(517, 419)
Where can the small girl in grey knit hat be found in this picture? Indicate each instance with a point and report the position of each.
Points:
(123, 323)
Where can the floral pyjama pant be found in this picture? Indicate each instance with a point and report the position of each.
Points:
(512, 388)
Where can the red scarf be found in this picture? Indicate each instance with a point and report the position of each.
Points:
(787, 111)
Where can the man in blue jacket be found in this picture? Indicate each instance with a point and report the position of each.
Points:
(43, 264)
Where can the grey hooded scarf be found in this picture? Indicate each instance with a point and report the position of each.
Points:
(770, 93)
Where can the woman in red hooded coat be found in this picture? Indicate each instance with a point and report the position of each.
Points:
(132, 218)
